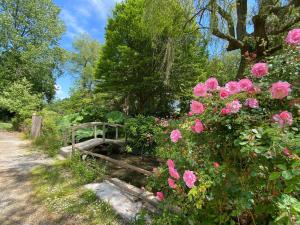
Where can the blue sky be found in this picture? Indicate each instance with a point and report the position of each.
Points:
(81, 16)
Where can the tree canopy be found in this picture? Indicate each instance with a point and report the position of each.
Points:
(29, 48)
(146, 71)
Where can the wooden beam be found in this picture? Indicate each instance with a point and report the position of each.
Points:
(119, 163)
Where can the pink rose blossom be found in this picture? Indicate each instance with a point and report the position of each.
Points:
(283, 118)
(160, 196)
(280, 90)
(170, 163)
(212, 84)
(175, 135)
(293, 37)
(197, 107)
(173, 173)
(233, 87)
(252, 103)
(200, 90)
(259, 70)
(189, 178)
(246, 84)
(190, 114)
(216, 164)
(171, 183)
(198, 127)
(224, 93)
(225, 111)
(234, 106)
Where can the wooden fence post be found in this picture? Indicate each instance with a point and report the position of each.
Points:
(103, 132)
(117, 132)
(95, 131)
(73, 140)
(36, 126)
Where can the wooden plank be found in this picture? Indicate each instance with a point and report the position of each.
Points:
(118, 162)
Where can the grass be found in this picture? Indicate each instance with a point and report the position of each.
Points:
(60, 188)
(5, 126)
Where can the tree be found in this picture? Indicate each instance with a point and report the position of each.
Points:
(19, 100)
(84, 59)
(30, 31)
(232, 21)
(144, 70)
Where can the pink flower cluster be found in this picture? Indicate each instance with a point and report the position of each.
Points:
(231, 107)
(280, 90)
(259, 70)
(201, 89)
(198, 127)
(175, 135)
(197, 108)
(284, 118)
(293, 37)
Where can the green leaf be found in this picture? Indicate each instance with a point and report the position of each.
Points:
(274, 176)
(287, 175)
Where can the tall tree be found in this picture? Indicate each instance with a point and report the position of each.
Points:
(30, 31)
(143, 68)
(249, 26)
(83, 60)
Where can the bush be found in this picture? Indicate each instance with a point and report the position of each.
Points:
(141, 133)
(233, 161)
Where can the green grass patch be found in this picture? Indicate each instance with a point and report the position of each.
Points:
(5, 126)
(60, 188)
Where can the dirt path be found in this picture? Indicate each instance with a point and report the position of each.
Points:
(17, 203)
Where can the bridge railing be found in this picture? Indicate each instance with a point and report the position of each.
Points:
(95, 125)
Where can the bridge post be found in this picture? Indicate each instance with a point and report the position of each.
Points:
(95, 131)
(73, 140)
(103, 132)
(117, 132)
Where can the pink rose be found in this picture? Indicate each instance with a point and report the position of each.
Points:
(198, 127)
(293, 37)
(233, 87)
(170, 163)
(173, 173)
(254, 90)
(252, 103)
(283, 118)
(234, 106)
(175, 135)
(171, 183)
(189, 178)
(190, 114)
(246, 84)
(224, 93)
(259, 70)
(216, 164)
(212, 84)
(280, 90)
(197, 107)
(160, 196)
(200, 90)
(225, 111)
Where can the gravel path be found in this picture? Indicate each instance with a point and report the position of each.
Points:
(17, 202)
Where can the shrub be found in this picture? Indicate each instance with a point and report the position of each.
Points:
(243, 167)
(141, 132)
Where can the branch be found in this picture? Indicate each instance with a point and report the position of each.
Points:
(276, 10)
(228, 19)
(285, 27)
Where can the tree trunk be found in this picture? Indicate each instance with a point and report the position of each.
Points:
(242, 67)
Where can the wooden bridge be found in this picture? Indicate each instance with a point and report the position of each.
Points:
(95, 141)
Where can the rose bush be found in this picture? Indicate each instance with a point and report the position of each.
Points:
(234, 159)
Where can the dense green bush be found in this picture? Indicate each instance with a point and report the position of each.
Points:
(141, 132)
(239, 166)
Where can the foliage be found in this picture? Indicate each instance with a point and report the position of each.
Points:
(83, 60)
(30, 31)
(130, 68)
(141, 132)
(5, 126)
(115, 117)
(60, 190)
(19, 100)
(246, 165)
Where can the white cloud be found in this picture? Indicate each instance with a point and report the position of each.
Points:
(102, 7)
(73, 26)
